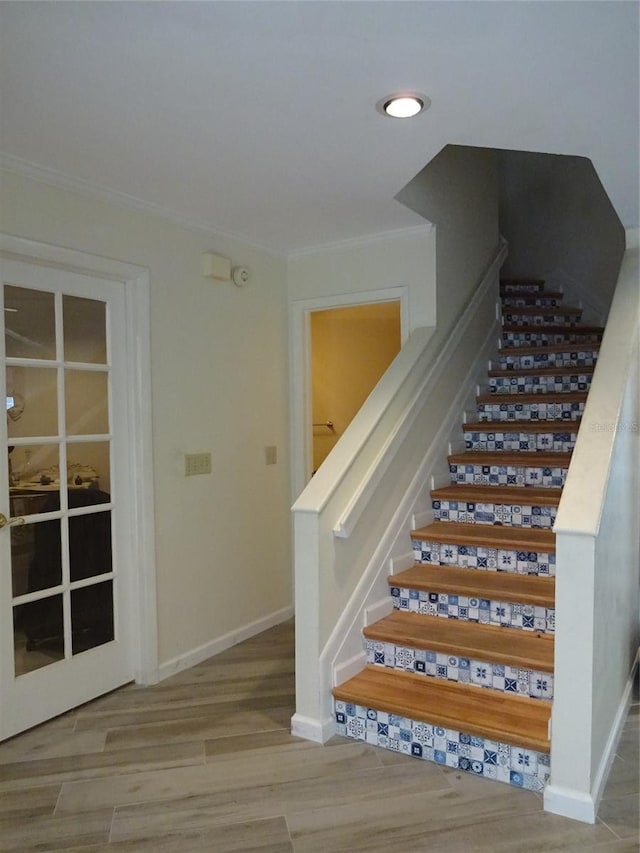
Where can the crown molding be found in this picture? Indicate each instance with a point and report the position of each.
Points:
(362, 242)
(44, 174)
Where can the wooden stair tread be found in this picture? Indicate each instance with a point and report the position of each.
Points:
(547, 371)
(487, 536)
(512, 457)
(516, 720)
(552, 397)
(497, 586)
(528, 310)
(548, 294)
(542, 350)
(521, 426)
(498, 494)
(490, 643)
(553, 329)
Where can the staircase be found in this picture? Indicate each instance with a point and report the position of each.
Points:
(461, 671)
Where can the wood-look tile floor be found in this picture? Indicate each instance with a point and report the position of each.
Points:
(204, 762)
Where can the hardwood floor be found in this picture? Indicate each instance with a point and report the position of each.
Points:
(204, 762)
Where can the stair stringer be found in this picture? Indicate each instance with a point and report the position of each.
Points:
(343, 655)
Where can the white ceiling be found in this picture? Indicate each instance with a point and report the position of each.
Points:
(257, 119)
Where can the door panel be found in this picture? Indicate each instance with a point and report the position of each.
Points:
(64, 620)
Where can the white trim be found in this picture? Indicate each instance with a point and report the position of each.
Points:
(220, 644)
(34, 171)
(300, 381)
(136, 285)
(311, 729)
(609, 753)
(360, 242)
(576, 804)
(348, 668)
(569, 803)
(377, 610)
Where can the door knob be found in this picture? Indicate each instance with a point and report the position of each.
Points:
(7, 522)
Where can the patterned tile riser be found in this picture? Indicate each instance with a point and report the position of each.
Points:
(509, 410)
(545, 339)
(519, 288)
(507, 475)
(539, 384)
(517, 766)
(513, 318)
(446, 667)
(562, 442)
(513, 515)
(529, 361)
(530, 301)
(524, 617)
(485, 559)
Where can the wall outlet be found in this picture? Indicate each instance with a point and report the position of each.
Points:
(197, 463)
(271, 455)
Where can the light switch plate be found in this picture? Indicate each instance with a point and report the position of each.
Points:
(197, 463)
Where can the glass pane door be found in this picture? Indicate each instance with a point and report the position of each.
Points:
(63, 597)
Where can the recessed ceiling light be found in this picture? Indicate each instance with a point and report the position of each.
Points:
(404, 105)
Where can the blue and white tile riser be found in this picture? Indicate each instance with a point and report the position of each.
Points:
(487, 559)
(517, 766)
(582, 357)
(562, 442)
(540, 384)
(510, 410)
(511, 317)
(512, 515)
(546, 338)
(524, 617)
(516, 287)
(480, 673)
(507, 475)
(531, 301)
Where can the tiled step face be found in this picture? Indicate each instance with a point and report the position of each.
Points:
(485, 559)
(531, 300)
(508, 475)
(511, 410)
(509, 287)
(522, 384)
(525, 617)
(517, 766)
(562, 440)
(514, 514)
(481, 673)
(579, 357)
(512, 317)
(545, 338)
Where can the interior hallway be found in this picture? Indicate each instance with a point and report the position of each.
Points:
(204, 762)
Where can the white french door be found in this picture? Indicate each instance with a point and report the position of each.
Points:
(65, 578)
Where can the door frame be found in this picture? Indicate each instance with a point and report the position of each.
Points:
(139, 478)
(300, 378)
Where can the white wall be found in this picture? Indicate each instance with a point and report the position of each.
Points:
(219, 383)
(406, 259)
(560, 225)
(458, 192)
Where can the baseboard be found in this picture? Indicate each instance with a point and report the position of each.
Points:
(318, 731)
(567, 802)
(611, 747)
(578, 805)
(214, 647)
